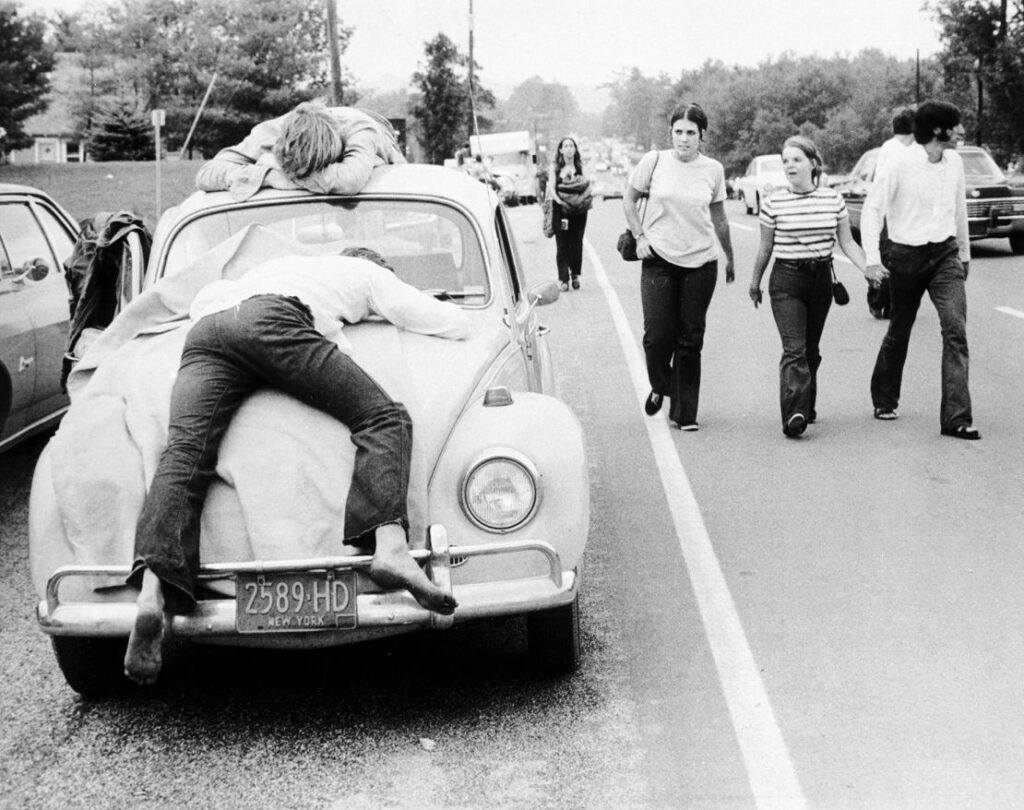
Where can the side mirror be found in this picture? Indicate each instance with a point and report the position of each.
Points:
(35, 269)
(543, 293)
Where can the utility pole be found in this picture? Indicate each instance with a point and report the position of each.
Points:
(337, 93)
(472, 89)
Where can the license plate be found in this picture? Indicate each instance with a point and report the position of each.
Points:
(286, 603)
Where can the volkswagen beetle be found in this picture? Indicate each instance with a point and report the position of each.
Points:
(499, 494)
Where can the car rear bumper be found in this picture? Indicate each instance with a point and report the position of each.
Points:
(385, 613)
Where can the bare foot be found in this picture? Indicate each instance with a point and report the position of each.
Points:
(394, 567)
(144, 657)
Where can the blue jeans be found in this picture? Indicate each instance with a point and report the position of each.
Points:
(801, 295)
(934, 268)
(675, 301)
(569, 243)
(267, 340)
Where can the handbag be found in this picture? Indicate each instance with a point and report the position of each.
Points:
(626, 243)
(839, 293)
(549, 218)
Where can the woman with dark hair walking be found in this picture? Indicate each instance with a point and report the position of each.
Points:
(801, 225)
(570, 192)
(684, 213)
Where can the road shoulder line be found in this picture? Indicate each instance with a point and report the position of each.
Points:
(770, 770)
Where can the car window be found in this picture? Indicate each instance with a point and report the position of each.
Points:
(23, 246)
(866, 170)
(429, 245)
(980, 164)
(509, 254)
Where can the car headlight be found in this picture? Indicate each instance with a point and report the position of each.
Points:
(500, 492)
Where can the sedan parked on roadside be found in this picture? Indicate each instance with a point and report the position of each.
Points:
(498, 497)
(36, 237)
(994, 208)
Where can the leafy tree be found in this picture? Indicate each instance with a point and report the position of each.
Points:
(540, 106)
(121, 132)
(444, 106)
(640, 105)
(267, 55)
(25, 61)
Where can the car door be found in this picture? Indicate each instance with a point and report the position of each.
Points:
(530, 333)
(36, 240)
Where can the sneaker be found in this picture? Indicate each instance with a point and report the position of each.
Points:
(796, 425)
(575, 282)
(689, 427)
(886, 414)
(564, 286)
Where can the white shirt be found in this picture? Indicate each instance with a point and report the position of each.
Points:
(888, 150)
(336, 289)
(919, 201)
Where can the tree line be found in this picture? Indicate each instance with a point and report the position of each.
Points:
(243, 61)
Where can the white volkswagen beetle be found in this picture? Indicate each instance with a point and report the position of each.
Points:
(499, 493)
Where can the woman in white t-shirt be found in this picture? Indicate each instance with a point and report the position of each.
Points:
(676, 240)
(801, 225)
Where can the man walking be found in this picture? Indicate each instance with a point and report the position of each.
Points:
(902, 137)
(921, 198)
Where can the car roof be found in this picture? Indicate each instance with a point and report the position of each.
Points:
(410, 179)
(14, 188)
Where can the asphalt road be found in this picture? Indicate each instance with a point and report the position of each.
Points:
(828, 622)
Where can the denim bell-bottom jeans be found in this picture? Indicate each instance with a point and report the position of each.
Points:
(801, 295)
(934, 268)
(267, 340)
(675, 302)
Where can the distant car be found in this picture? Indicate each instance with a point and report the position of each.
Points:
(764, 174)
(499, 495)
(994, 208)
(601, 166)
(36, 237)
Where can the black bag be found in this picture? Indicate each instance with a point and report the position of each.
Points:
(626, 244)
(839, 293)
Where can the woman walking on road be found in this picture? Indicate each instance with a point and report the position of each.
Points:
(801, 225)
(572, 198)
(684, 212)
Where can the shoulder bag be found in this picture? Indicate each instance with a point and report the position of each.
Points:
(626, 244)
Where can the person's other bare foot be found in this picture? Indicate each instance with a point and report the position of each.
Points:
(394, 567)
(144, 656)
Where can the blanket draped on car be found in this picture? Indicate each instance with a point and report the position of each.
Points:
(284, 468)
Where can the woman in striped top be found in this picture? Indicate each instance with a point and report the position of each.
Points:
(801, 225)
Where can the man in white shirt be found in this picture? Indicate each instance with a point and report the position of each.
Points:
(274, 327)
(902, 137)
(921, 198)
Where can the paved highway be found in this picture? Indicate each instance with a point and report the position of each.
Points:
(827, 622)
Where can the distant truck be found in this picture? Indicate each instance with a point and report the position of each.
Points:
(512, 155)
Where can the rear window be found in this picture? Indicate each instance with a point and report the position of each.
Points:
(979, 164)
(429, 245)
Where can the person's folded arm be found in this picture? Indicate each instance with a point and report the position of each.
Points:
(352, 172)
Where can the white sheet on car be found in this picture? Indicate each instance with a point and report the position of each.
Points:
(284, 467)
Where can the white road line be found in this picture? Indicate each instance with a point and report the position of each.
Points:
(770, 771)
(1016, 313)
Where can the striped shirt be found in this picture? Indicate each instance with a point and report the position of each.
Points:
(805, 224)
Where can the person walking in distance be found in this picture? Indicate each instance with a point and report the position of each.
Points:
(922, 200)
(570, 191)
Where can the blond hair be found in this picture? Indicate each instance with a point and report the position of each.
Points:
(310, 140)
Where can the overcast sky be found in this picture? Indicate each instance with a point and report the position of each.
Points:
(582, 43)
